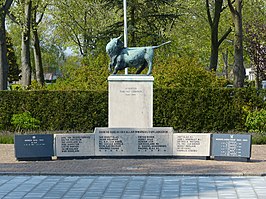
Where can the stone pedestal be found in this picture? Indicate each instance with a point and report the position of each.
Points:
(191, 144)
(74, 145)
(155, 141)
(130, 101)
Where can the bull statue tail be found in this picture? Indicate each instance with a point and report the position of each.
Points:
(168, 42)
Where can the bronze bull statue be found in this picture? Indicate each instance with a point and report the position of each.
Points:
(122, 57)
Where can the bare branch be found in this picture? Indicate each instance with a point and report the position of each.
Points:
(13, 18)
(230, 4)
(225, 35)
(42, 14)
(209, 13)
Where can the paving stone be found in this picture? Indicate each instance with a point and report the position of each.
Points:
(53, 187)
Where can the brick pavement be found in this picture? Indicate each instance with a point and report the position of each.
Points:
(132, 187)
(134, 166)
(131, 178)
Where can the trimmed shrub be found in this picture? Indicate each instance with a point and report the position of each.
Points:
(185, 109)
(57, 110)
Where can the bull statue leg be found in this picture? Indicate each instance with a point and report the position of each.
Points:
(110, 68)
(144, 65)
(115, 71)
(120, 65)
(149, 67)
(148, 57)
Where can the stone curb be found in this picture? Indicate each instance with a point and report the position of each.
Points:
(126, 174)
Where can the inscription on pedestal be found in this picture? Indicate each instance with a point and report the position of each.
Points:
(191, 144)
(133, 141)
(131, 91)
(111, 143)
(231, 145)
(146, 143)
(74, 145)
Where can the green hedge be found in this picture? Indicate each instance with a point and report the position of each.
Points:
(197, 110)
(75, 110)
(201, 110)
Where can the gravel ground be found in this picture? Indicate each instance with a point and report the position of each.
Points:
(133, 166)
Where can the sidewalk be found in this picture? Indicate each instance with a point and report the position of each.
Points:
(132, 187)
(132, 178)
(134, 166)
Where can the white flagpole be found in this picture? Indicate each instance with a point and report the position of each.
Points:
(125, 28)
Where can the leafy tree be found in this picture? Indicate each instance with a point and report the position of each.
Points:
(4, 7)
(81, 23)
(190, 33)
(148, 21)
(83, 74)
(255, 37)
(33, 12)
(256, 47)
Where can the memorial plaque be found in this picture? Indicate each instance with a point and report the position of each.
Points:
(34, 147)
(134, 141)
(74, 145)
(231, 145)
(191, 144)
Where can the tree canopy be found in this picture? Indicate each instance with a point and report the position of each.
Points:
(71, 37)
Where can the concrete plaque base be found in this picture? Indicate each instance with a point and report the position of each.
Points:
(74, 145)
(134, 141)
(191, 144)
(130, 101)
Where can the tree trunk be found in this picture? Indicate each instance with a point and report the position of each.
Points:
(214, 48)
(3, 54)
(25, 47)
(3, 48)
(85, 44)
(225, 59)
(239, 69)
(38, 69)
(214, 26)
(37, 57)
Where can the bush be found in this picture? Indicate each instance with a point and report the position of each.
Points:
(87, 75)
(24, 121)
(6, 139)
(256, 121)
(259, 139)
(184, 72)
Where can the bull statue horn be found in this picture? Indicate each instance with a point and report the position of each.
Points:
(120, 37)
